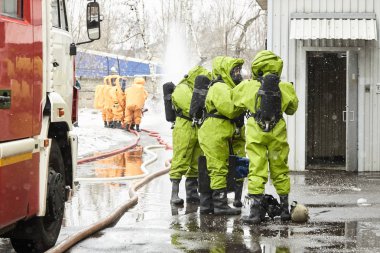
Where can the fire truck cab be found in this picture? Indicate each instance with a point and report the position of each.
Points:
(38, 149)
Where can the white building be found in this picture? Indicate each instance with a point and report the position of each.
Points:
(331, 52)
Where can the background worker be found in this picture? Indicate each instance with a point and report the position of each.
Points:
(217, 130)
(267, 144)
(135, 97)
(99, 100)
(107, 113)
(186, 149)
(118, 98)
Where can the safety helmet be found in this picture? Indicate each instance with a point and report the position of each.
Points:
(299, 213)
(139, 80)
(114, 71)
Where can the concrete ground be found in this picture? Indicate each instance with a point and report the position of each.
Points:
(337, 222)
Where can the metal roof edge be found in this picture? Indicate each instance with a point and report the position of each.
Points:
(333, 15)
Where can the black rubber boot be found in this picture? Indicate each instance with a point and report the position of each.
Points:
(127, 128)
(175, 200)
(206, 204)
(118, 124)
(138, 128)
(238, 192)
(257, 211)
(191, 186)
(105, 124)
(132, 126)
(284, 202)
(221, 207)
(111, 124)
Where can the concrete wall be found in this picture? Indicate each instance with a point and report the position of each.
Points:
(293, 53)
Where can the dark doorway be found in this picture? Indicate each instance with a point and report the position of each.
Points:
(326, 129)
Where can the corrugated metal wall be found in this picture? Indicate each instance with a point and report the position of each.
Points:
(293, 53)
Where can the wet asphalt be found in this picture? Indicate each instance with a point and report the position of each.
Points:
(337, 222)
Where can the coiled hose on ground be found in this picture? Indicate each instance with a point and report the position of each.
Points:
(118, 213)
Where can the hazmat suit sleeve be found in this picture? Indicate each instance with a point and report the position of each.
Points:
(243, 95)
(221, 97)
(289, 98)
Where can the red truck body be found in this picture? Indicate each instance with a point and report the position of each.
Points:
(21, 74)
(38, 105)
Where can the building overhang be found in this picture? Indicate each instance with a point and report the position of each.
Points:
(346, 26)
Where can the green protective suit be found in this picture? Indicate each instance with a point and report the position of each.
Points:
(186, 149)
(271, 148)
(215, 133)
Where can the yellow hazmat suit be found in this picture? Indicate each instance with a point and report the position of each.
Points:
(108, 104)
(135, 99)
(186, 149)
(266, 149)
(217, 132)
(118, 99)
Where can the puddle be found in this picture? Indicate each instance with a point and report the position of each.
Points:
(120, 165)
(198, 233)
(94, 201)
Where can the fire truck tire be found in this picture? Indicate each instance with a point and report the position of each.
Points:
(40, 233)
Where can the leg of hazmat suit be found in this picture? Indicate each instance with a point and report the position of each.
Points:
(118, 112)
(185, 150)
(192, 172)
(109, 115)
(185, 154)
(262, 147)
(213, 139)
(129, 110)
(137, 113)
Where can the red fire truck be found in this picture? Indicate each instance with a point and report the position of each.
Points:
(37, 106)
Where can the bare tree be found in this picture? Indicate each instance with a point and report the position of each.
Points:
(141, 22)
(212, 27)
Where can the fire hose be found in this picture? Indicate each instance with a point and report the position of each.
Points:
(114, 216)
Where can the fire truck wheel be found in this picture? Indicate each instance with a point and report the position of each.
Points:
(41, 233)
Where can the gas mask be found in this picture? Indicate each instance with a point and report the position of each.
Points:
(236, 74)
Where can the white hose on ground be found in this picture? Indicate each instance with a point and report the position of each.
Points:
(113, 217)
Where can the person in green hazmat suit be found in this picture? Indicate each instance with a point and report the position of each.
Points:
(266, 149)
(186, 149)
(217, 131)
